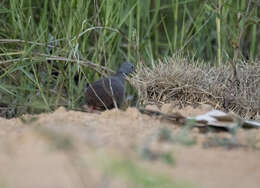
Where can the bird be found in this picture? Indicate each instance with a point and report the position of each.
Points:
(108, 92)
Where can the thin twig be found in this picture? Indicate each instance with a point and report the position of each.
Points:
(24, 41)
(85, 63)
(112, 93)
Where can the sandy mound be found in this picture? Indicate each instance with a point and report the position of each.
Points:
(122, 149)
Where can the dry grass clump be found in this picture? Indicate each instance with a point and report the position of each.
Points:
(184, 83)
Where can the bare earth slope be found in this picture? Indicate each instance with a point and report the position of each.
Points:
(75, 149)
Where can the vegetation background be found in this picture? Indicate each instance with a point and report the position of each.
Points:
(49, 49)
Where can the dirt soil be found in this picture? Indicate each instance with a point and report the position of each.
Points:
(68, 149)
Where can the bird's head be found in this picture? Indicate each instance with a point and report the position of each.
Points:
(126, 68)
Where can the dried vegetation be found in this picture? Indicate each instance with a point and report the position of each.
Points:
(182, 82)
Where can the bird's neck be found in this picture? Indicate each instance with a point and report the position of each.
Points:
(121, 75)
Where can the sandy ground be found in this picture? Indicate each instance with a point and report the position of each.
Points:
(68, 149)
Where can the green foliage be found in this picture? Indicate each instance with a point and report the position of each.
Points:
(141, 177)
(107, 32)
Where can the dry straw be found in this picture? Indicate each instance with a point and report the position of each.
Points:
(181, 82)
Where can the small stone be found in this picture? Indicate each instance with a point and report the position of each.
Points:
(152, 107)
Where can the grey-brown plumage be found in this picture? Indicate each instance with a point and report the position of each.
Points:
(105, 92)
